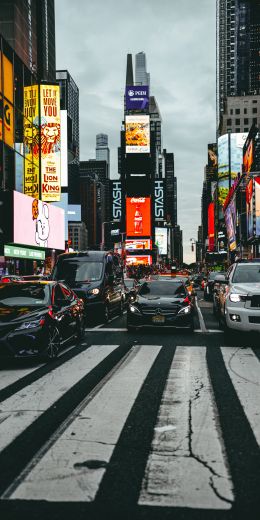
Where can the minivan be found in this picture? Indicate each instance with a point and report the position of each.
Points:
(96, 277)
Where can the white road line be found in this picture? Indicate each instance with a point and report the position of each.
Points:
(74, 466)
(201, 319)
(106, 330)
(187, 464)
(197, 331)
(20, 410)
(244, 370)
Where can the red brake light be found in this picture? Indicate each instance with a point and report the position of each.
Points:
(186, 300)
(5, 280)
(50, 311)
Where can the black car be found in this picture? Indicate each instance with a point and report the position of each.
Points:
(160, 303)
(38, 318)
(209, 285)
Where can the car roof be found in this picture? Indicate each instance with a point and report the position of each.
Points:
(88, 255)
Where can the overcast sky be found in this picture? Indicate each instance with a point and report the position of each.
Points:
(92, 41)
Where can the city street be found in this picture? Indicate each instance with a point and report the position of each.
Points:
(154, 424)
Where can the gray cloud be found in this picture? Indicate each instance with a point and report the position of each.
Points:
(92, 41)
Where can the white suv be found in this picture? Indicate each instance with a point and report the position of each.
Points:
(239, 298)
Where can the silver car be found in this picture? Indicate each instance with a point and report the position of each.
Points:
(239, 298)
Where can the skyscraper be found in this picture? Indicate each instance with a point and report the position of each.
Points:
(142, 77)
(238, 41)
(102, 149)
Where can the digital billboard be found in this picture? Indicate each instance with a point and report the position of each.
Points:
(64, 147)
(211, 226)
(249, 209)
(138, 216)
(133, 245)
(230, 219)
(116, 195)
(161, 240)
(6, 101)
(41, 225)
(159, 199)
(137, 134)
(248, 158)
(257, 206)
(237, 142)
(139, 260)
(31, 141)
(212, 155)
(137, 97)
(50, 142)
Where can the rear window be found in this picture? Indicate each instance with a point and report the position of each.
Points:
(28, 295)
(247, 274)
(77, 270)
(163, 289)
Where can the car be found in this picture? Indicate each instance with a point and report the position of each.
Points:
(8, 278)
(129, 288)
(96, 277)
(160, 303)
(239, 298)
(38, 318)
(209, 284)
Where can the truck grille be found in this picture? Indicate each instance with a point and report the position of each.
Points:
(255, 301)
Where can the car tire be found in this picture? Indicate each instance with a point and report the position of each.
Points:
(53, 346)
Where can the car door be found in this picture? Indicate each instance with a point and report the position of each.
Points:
(62, 312)
(72, 313)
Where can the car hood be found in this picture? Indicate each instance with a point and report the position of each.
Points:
(19, 313)
(246, 288)
(161, 301)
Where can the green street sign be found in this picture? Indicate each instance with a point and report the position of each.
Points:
(23, 252)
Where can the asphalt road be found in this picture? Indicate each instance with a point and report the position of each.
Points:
(156, 424)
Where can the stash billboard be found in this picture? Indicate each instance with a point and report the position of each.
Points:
(159, 200)
(137, 98)
(31, 141)
(257, 206)
(138, 216)
(116, 192)
(42, 225)
(137, 134)
(50, 142)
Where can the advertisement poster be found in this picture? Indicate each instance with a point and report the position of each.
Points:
(212, 155)
(249, 208)
(138, 216)
(248, 158)
(230, 219)
(161, 240)
(42, 225)
(237, 142)
(50, 142)
(133, 245)
(137, 97)
(31, 139)
(137, 134)
(257, 206)
(139, 260)
(6, 101)
(211, 226)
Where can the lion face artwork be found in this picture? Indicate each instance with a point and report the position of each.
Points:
(31, 139)
(50, 138)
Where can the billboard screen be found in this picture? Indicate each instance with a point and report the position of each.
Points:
(116, 196)
(64, 147)
(138, 216)
(132, 245)
(159, 199)
(211, 226)
(139, 260)
(257, 206)
(42, 225)
(50, 142)
(212, 155)
(137, 97)
(137, 134)
(249, 208)
(248, 158)
(161, 240)
(31, 141)
(237, 142)
(230, 219)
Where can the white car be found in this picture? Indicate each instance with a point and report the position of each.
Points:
(239, 298)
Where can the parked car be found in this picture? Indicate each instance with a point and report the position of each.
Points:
(38, 318)
(160, 303)
(239, 298)
(96, 277)
(8, 278)
(209, 284)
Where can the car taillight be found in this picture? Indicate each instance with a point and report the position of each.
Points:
(186, 300)
(5, 280)
(50, 311)
(41, 322)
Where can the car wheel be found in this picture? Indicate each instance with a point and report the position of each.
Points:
(53, 344)
(106, 313)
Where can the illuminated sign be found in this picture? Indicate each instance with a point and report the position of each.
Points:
(212, 155)
(159, 199)
(132, 245)
(137, 97)
(23, 252)
(230, 219)
(161, 240)
(248, 158)
(257, 206)
(31, 140)
(137, 134)
(41, 225)
(116, 200)
(50, 142)
(211, 226)
(6, 101)
(139, 260)
(249, 208)
(138, 216)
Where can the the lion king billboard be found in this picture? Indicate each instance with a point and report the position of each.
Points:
(31, 139)
(50, 143)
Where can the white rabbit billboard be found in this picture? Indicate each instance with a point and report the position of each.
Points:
(37, 223)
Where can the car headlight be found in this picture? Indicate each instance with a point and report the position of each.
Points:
(31, 324)
(235, 297)
(133, 308)
(185, 310)
(94, 291)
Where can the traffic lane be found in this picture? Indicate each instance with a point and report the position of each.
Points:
(206, 307)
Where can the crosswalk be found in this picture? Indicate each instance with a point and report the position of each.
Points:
(94, 417)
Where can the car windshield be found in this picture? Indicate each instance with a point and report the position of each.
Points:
(78, 270)
(247, 274)
(173, 289)
(129, 283)
(212, 276)
(29, 295)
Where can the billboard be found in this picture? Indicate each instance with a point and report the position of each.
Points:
(42, 225)
(6, 101)
(212, 155)
(249, 209)
(137, 97)
(161, 240)
(31, 141)
(139, 260)
(230, 219)
(50, 142)
(138, 216)
(248, 158)
(116, 197)
(64, 147)
(237, 142)
(137, 134)
(211, 226)
(133, 245)
(159, 200)
(257, 206)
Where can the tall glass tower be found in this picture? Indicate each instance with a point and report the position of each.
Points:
(142, 77)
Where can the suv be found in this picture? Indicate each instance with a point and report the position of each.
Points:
(239, 298)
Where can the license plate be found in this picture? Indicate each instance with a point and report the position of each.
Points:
(158, 319)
